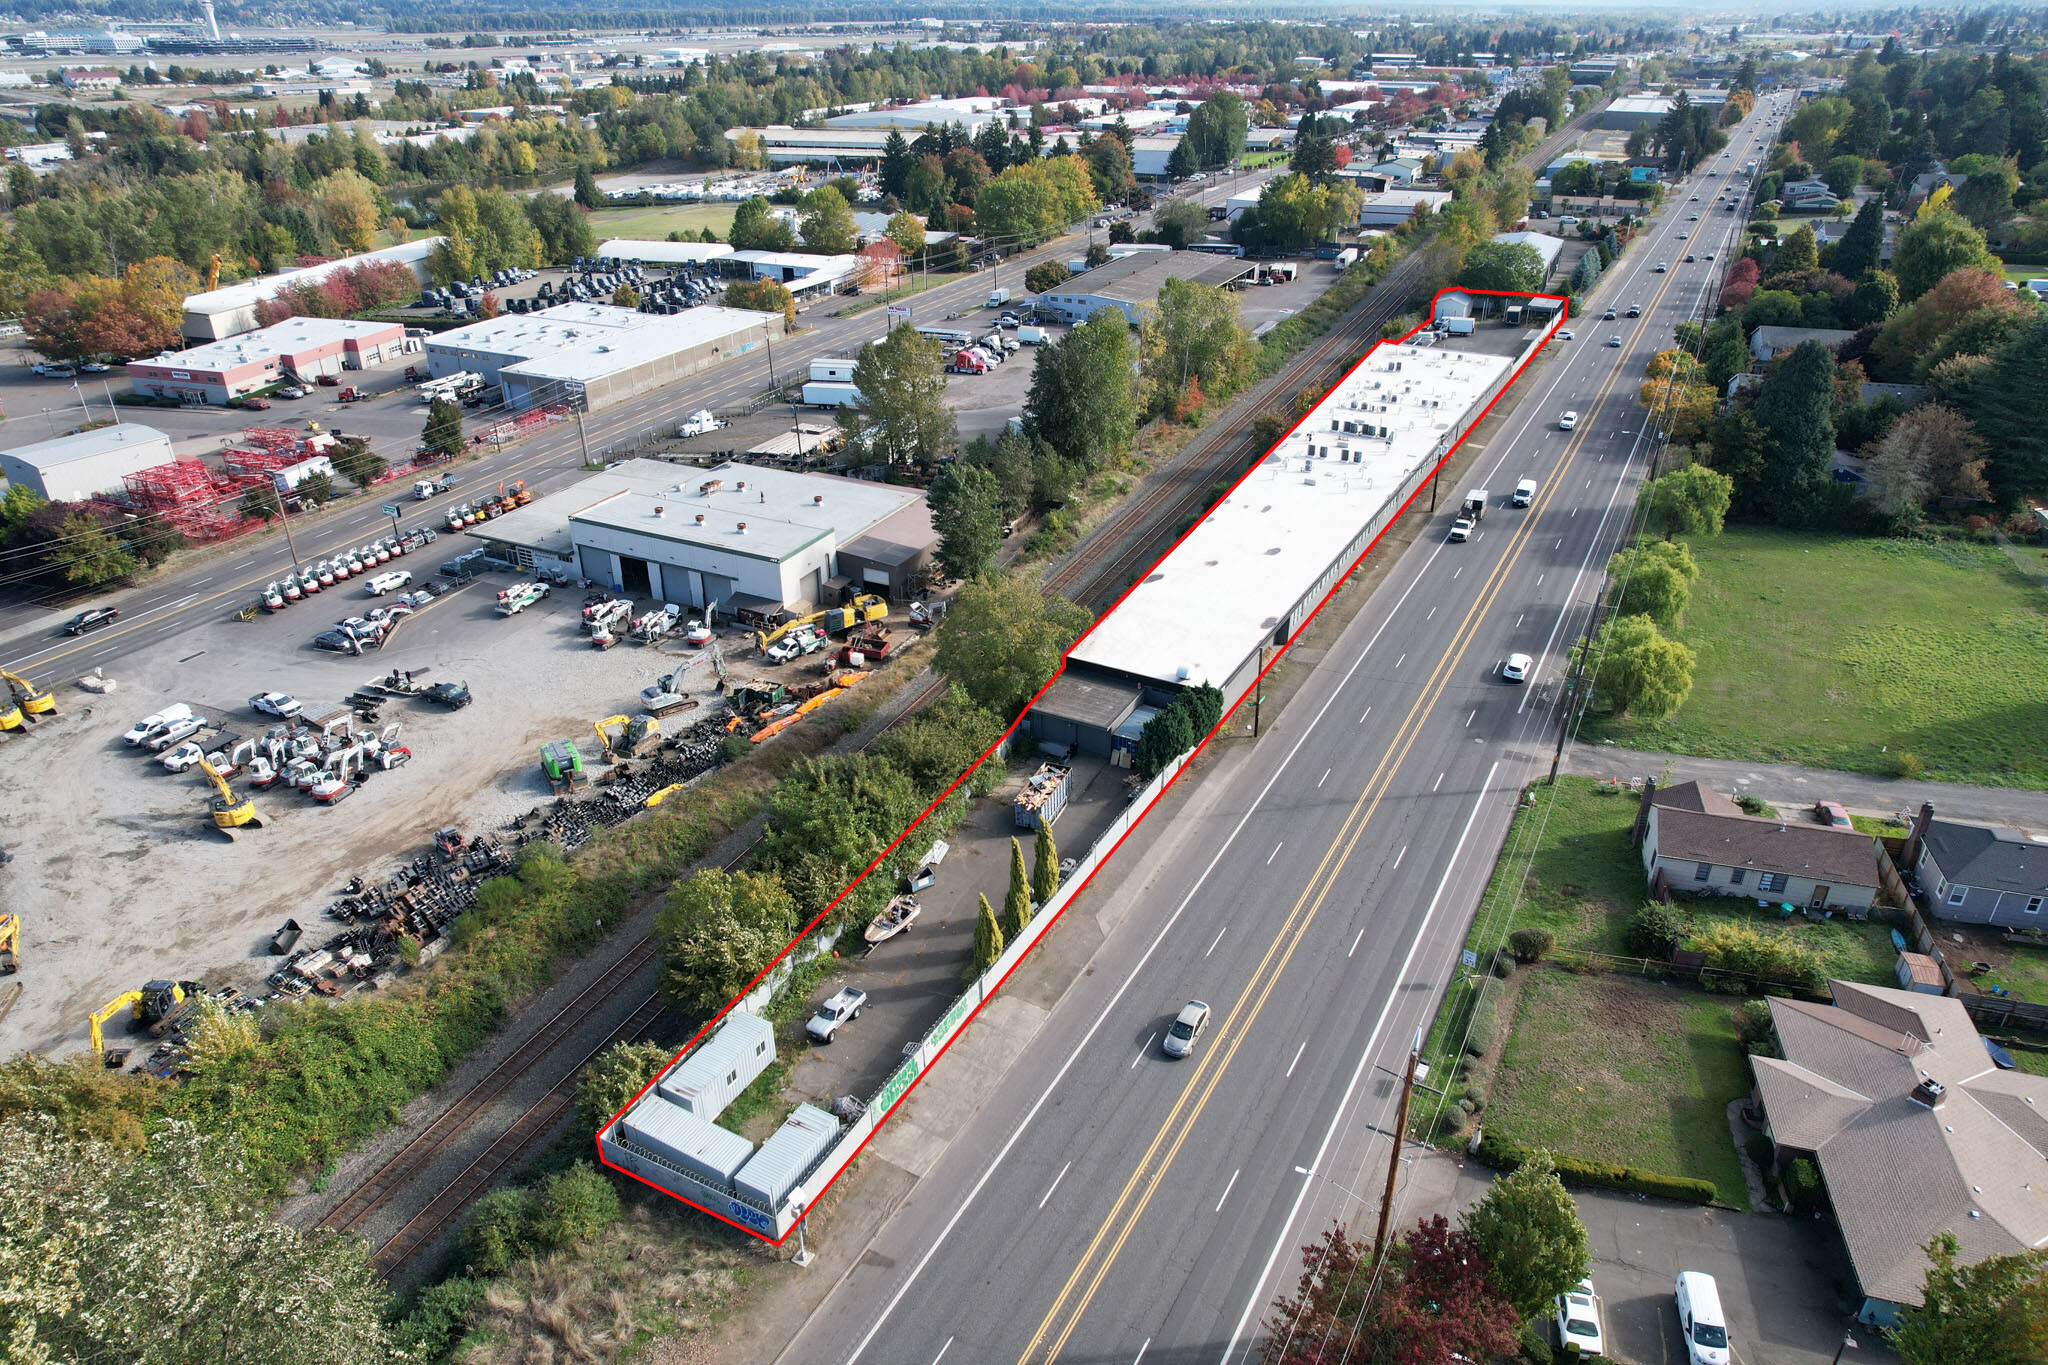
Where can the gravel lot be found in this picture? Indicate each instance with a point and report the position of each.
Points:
(118, 879)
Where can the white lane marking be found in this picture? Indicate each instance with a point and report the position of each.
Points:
(1275, 853)
(1142, 1051)
(1399, 856)
(1560, 542)
(1052, 1087)
(1325, 777)
(1469, 719)
(110, 649)
(202, 582)
(942, 1351)
(1591, 550)
(1432, 613)
(1403, 659)
(1218, 939)
(1056, 1183)
(1137, 1359)
(1298, 1051)
(1228, 1187)
(1355, 942)
(1540, 578)
(1438, 783)
(1455, 572)
(1363, 714)
(1285, 1238)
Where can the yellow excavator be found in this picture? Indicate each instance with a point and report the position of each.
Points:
(228, 814)
(28, 701)
(765, 638)
(635, 734)
(10, 944)
(153, 1002)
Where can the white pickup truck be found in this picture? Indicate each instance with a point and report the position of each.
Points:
(844, 1006)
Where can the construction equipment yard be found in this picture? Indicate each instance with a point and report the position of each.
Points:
(121, 876)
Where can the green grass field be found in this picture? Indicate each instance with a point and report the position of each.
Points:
(1837, 652)
(1614, 1069)
(657, 222)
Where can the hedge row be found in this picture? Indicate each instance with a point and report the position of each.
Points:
(1505, 1155)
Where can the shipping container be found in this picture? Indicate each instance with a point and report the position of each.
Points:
(698, 1146)
(832, 368)
(1043, 797)
(784, 1158)
(714, 1075)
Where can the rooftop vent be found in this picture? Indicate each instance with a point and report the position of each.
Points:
(659, 510)
(1929, 1092)
(742, 529)
(818, 500)
(700, 518)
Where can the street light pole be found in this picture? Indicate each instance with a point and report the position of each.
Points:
(1398, 1135)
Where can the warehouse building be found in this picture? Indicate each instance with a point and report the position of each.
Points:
(1131, 283)
(86, 464)
(661, 253)
(594, 353)
(1549, 248)
(1253, 570)
(1631, 112)
(805, 274)
(740, 536)
(295, 351)
(231, 309)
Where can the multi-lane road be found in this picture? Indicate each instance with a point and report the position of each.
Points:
(1110, 1205)
(206, 593)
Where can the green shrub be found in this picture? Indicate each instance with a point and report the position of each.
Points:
(1502, 963)
(1766, 954)
(574, 1206)
(1534, 1341)
(1803, 1195)
(1756, 805)
(1484, 1029)
(1506, 1155)
(438, 1318)
(1904, 766)
(1656, 930)
(1530, 945)
(1753, 1026)
(499, 1230)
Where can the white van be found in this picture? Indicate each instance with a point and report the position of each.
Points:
(388, 582)
(1700, 1319)
(1525, 493)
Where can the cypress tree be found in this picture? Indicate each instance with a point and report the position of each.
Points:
(1016, 905)
(1045, 866)
(988, 938)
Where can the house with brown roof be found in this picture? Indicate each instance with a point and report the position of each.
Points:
(1914, 1129)
(1703, 842)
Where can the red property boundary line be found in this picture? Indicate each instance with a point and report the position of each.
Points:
(1564, 312)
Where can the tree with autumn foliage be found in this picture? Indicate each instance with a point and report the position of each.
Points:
(1678, 395)
(1434, 1296)
(135, 314)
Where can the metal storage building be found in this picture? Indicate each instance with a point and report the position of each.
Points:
(785, 1158)
(1131, 283)
(675, 1135)
(713, 1076)
(594, 352)
(74, 468)
(231, 309)
(649, 252)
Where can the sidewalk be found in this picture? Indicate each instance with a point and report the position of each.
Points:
(1790, 789)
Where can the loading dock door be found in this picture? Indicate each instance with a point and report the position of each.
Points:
(634, 581)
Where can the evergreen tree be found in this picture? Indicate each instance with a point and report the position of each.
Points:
(1017, 904)
(967, 512)
(1796, 410)
(587, 193)
(443, 431)
(2004, 405)
(896, 162)
(988, 938)
(1180, 163)
(1045, 865)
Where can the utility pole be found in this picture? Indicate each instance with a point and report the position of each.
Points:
(1259, 691)
(1574, 689)
(582, 436)
(286, 517)
(1399, 1135)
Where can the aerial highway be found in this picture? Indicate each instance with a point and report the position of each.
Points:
(1109, 1204)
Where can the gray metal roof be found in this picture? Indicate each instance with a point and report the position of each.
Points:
(84, 445)
(1994, 859)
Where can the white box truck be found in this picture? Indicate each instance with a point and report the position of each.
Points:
(998, 297)
(1458, 327)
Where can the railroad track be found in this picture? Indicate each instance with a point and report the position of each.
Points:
(1184, 488)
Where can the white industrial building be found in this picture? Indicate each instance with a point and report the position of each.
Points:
(594, 353)
(662, 253)
(231, 309)
(1253, 570)
(1391, 208)
(805, 274)
(75, 468)
(1131, 283)
(298, 350)
(973, 112)
(744, 537)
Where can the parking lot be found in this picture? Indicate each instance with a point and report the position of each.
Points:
(118, 875)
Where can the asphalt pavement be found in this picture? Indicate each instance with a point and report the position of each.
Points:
(208, 591)
(1109, 1204)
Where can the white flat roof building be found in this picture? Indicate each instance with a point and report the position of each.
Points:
(231, 309)
(74, 468)
(1252, 570)
(737, 534)
(973, 111)
(594, 352)
(662, 253)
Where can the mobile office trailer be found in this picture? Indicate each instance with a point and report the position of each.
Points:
(698, 1146)
(832, 369)
(713, 1076)
(787, 1157)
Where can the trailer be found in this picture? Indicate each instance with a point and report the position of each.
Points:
(1475, 503)
(831, 395)
(1044, 796)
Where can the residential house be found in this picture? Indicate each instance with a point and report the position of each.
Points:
(1807, 196)
(1979, 874)
(1702, 842)
(94, 79)
(1768, 343)
(1914, 1130)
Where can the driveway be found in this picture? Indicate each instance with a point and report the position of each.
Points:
(1791, 789)
(1784, 1282)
